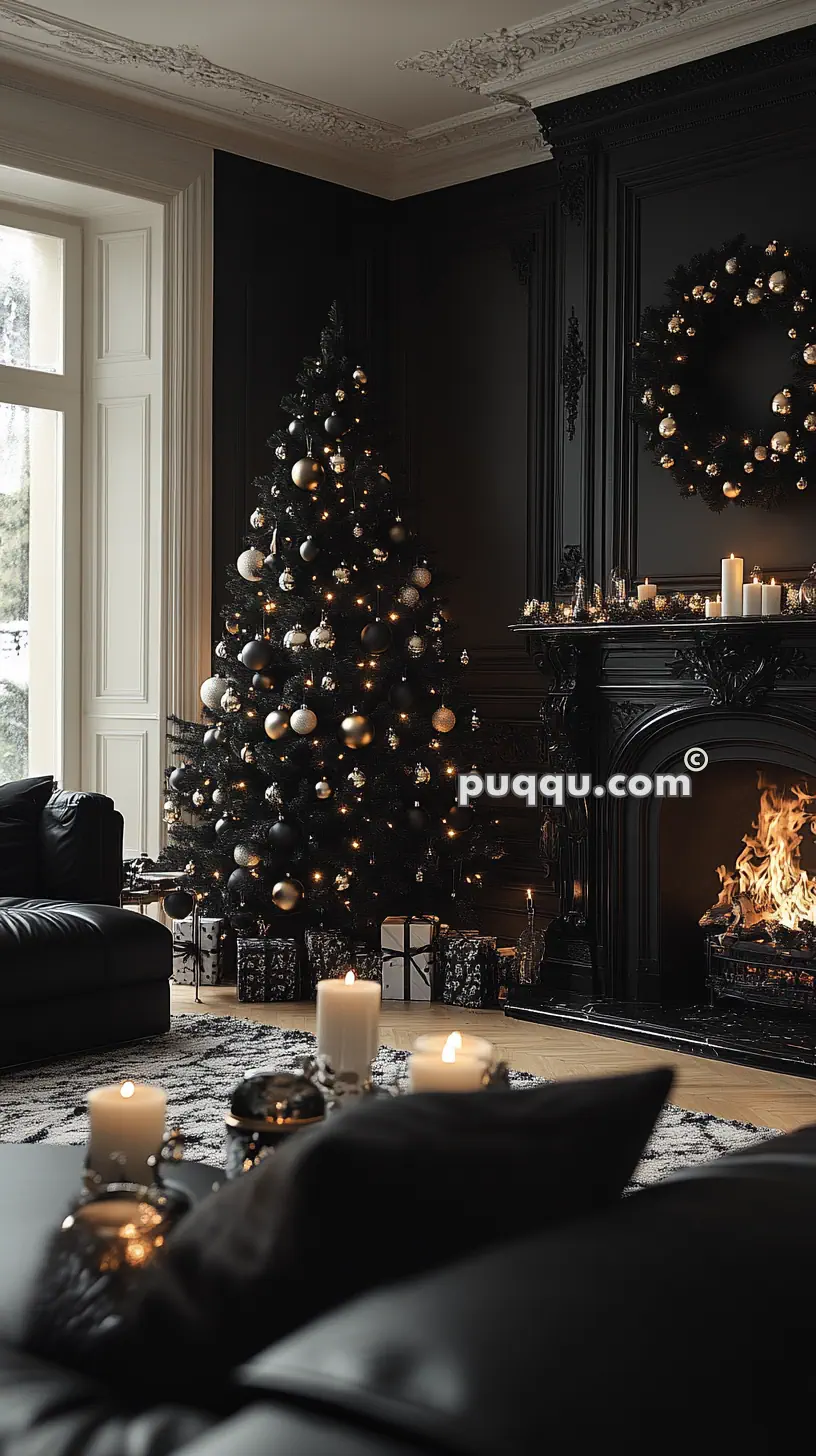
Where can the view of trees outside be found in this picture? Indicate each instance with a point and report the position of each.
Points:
(15, 259)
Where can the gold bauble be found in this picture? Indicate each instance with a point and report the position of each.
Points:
(780, 404)
(801, 483)
(698, 290)
(791, 333)
(778, 281)
(800, 457)
(647, 397)
(761, 452)
(667, 426)
(809, 353)
(443, 720)
(754, 295)
(356, 731)
(781, 441)
(708, 296)
(810, 422)
(675, 324)
(323, 789)
(421, 576)
(712, 469)
(691, 333)
(748, 468)
(666, 461)
(306, 473)
(287, 894)
(674, 389)
(731, 265)
(731, 490)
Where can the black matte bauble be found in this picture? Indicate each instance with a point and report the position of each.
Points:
(183, 778)
(402, 696)
(295, 428)
(461, 817)
(335, 427)
(376, 636)
(309, 549)
(263, 681)
(223, 826)
(283, 835)
(240, 881)
(214, 736)
(416, 819)
(178, 904)
(257, 654)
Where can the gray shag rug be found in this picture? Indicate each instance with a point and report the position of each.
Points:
(201, 1059)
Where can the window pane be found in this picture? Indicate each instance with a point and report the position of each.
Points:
(30, 486)
(31, 300)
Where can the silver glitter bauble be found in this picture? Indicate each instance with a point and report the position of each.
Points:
(272, 794)
(246, 855)
(421, 576)
(303, 720)
(250, 564)
(416, 645)
(342, 574)
(322, 635)
(408, 595)
(443, 720)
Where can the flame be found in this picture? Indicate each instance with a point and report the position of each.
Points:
(768, 882)
(451, 1047)
(349, 978)
(127, 1089)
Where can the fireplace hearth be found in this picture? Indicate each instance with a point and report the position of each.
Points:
(633, 951)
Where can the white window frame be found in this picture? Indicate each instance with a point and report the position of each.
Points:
(55, 549)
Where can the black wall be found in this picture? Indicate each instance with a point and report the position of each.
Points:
(498, 318)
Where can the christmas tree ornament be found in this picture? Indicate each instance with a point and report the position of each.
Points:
(781, 441)
(340, 394)
(224, 826)
(287, 894)
(212, 691)
(199, 798)
(172, 813)
(420, 875)
(309, 550)
(240, 882)
(276, 723)
(283, 835)
(421, 576)
(296, 430)
(464, 659)
(280, 451)
(731, 490)
(416, 644)
(376, 636)
(667, 426)
(358, 531)
(359, 376)
(801, 483)
(807, 591)
(461, 817)
(272, 794)
(221, 649)
(286, 580)
(178, 904)
(303, 720)
(754, 295)
(781, 402)
(248, 753)
(378, 555)
(335, 426)
(356, 731)
(323, 789)
(475, 721)
(436, 622)
(408, 596)
(416, 819)
(262, 681)
(257, 654)
(322, 635)
(295, 639)
(357, 778)
(342, 881)
(231, 703)
(220, 797)
(182, 778)
(250, 564)
(810, 422)
(402, 696)
(233, 626)
(246, 855)
(761, 452)
(392, 739)
(328, 683)
(306, 473)
(809, 354)
(422, 774)
(216, 735)
(444, 719)
(338, 463)
(257, 520)
(397, 532)
(342, 574)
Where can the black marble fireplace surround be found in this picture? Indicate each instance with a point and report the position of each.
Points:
(625, 955)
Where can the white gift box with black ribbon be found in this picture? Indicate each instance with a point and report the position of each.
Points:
(408, 946)
(184, 951)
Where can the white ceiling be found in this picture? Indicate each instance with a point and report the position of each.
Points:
(394, 96)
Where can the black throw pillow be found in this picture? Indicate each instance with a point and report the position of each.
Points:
(376, 1194)
(21, 805)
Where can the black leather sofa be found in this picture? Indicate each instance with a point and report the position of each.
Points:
(680, 1319)
(76, 970)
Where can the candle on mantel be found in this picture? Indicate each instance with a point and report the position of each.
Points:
(461, 1041)
(647, 591)
(732, 567)
(713, 609)
(447, 1071)
(752, 598)
(348, 1023)
(530, 901)
(127, 1129)
(771, 598)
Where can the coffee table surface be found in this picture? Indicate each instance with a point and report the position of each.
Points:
(38, 1182)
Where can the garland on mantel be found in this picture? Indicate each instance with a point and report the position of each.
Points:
(680, 607)
(673, 400)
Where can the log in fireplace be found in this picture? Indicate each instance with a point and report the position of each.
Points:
(627, 954)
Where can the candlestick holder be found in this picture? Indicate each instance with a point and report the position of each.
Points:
(167, 1198)
(530, 947)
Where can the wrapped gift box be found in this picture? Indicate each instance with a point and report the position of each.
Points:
(469, 969)
(327, 952)
(267, 969)
(408, 952)
(211, 943)
(366, 964)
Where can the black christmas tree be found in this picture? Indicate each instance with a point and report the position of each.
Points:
(322, 780)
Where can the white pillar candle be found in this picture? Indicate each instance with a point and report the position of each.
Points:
(752, 598)
(447, 1071)
(647, 591)
(732, 586)
(348, 1023)
(469, 1046)
(771, 598)
(127, 1128)
(713, 609)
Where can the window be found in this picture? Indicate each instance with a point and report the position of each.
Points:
(40, 309)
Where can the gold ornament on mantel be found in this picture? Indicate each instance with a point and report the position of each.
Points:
(781, 402)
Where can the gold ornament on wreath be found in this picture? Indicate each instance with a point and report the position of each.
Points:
(674, 393)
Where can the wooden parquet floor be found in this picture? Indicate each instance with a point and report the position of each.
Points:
(768, 1099)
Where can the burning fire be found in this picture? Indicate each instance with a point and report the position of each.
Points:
(768, 882)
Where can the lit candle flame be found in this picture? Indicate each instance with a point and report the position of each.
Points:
(127, 1089)
(450, 1048)
(645, 581)
(773, 581)
(349, 978)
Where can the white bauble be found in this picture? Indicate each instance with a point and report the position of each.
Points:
(212, 691)
(322, 635)
(250, 564)
(303, 720)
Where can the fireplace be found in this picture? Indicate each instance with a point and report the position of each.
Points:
(627, 954)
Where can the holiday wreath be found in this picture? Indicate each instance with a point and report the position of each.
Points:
(673, 397)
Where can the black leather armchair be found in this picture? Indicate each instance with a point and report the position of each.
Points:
(76, 970)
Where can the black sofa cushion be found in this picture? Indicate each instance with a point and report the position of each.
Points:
(51, 949)
(81, 849)
(21, 805)
(377, 1194)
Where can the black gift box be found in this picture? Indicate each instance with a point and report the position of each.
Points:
(327, 952)
(468, 969)
(267, 969)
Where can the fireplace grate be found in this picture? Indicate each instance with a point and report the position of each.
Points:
(764, 974)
